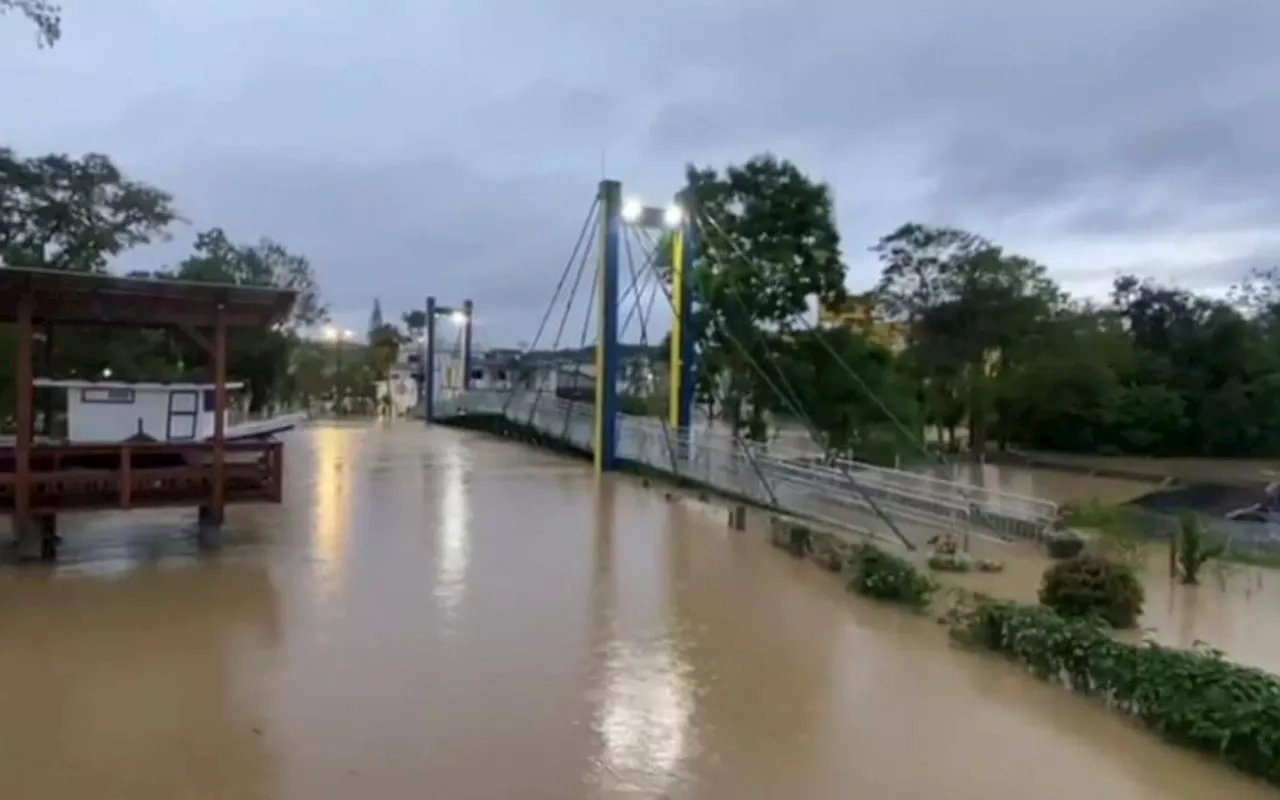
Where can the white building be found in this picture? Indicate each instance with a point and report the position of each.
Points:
(114, 411)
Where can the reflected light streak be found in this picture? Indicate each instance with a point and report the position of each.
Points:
(645, 720)
(333, 504)
(453, 545)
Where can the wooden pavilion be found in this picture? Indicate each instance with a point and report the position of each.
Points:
(40, 479)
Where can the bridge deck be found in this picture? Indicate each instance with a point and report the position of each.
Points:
(856, 496)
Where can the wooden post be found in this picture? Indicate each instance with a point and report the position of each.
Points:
(25, 422)
(219, 417)
(126, 477)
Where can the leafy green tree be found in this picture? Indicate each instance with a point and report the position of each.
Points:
(970, 308)
(59, 212)
(46, 16)
(768, 245)
(844, 383)
(259, 358)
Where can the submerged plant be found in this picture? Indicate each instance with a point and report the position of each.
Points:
(1194, 698)
(874, 573)
(1091, 585)
(1194, 548)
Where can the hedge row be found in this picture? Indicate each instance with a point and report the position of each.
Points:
(1193, 698)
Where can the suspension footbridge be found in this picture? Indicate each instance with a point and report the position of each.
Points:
(632, 264)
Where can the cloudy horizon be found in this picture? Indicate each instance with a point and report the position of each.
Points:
(452, 148)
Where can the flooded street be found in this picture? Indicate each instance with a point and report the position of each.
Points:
(436, 614)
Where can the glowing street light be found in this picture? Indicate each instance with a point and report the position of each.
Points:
(632, 211)
(458, 318)
(333, 334)
(636, 213)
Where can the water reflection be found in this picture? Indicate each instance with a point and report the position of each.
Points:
(646, 703)
(332, 502)
(453, 536)
(607, 643)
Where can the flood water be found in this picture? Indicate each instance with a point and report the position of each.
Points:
(433, 614)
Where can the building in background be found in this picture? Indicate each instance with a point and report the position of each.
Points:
(859, 313)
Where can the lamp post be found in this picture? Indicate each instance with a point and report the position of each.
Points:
(337, 336)
(461, 317)
(676, 219)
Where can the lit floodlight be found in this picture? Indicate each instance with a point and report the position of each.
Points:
(348, 334)
(106, 372)
(331, 333)
(632, 210)
(458, 318)
(673, 217)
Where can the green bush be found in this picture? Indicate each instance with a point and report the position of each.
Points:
(1064, 544)
(871, 572)
(1194, 698)
(1090, 585)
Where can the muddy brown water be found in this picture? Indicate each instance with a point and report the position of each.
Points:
(436, 614)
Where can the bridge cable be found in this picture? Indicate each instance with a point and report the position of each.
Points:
(637, 276)
(564, 319)
(564, 275)
(634, 289)
(910, 435)
(737, 437)
(788, 395)
(586, 327)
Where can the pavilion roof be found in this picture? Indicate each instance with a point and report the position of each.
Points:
(85, 298)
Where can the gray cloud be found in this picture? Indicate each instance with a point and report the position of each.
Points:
(451, 148)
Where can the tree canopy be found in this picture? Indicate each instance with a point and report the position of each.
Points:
(993, 351)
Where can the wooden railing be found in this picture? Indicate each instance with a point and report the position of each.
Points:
(107, 476)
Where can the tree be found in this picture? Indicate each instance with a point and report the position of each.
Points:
(971, 309)
(375, 319)
(768, 245)
(46, 16)
(59, 212)
(850, 388)
(415, 322)
(260, 359)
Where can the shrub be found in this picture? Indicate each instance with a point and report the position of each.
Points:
(1194, 698)
(874, 573)
(1090, 585)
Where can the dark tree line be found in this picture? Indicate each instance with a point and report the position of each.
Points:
(992, 352)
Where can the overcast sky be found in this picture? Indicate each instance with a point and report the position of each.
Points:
(451, 147)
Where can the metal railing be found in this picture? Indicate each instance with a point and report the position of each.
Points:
(846, 493)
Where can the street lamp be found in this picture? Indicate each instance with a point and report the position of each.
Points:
(680, 359)
(463, 318)
(337, 336)
(638, 214)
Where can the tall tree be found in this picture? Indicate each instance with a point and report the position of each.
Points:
(768, 245)
(46, 16)
(261, 359)
(59, 212)
(375, 319)
(970, 307)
